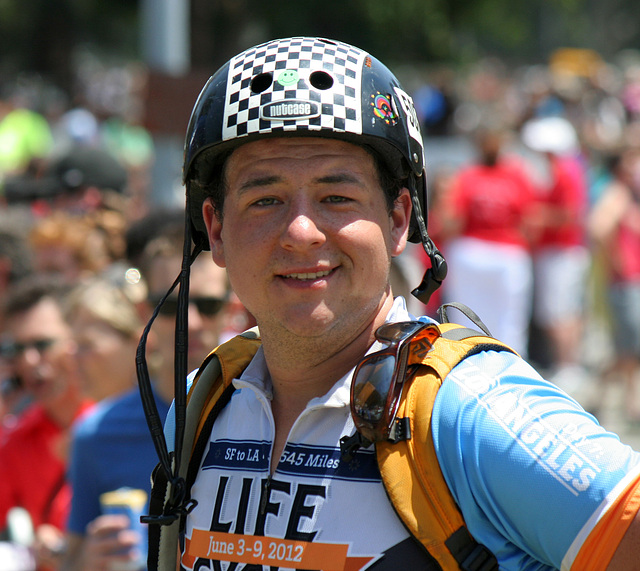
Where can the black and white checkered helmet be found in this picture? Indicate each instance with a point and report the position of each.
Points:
(303, 87)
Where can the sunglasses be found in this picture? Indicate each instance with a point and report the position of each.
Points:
(13, 349)
(378, 379)
(207, 306)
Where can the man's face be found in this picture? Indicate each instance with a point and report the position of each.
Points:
(104, 355)
(306, 235)
(208, 283)
(45, 352)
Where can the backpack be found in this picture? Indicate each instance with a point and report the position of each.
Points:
(408, 465)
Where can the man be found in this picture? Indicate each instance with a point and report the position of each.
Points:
(112, 439)
(15, 264)
(561, 257)
(304, 174)
(33, 455)
(488, 212)
(209, 295)
(614, 226)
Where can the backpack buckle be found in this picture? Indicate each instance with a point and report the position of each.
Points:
(470, 555)
(349, 445)
(401, 430)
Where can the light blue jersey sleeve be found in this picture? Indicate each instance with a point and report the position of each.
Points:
(531, 471)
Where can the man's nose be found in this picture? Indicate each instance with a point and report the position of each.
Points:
(195, 317)
(30, 356)
(303, 229)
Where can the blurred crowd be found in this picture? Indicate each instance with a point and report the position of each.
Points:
(534, 183)
(535, 203)
(85, 259)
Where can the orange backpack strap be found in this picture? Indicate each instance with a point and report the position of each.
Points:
(225, 363)
(209, 393)
(410, 470)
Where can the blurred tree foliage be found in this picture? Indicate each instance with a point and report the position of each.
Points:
(394, 30)
(44, 35)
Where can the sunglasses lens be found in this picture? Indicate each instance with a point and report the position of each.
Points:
(41, 345)
(10, 350)
(371, 386)
(168, 308)
(378, 379)
(7, 349)
(208, 306)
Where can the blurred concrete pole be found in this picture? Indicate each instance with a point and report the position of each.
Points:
(166, 49)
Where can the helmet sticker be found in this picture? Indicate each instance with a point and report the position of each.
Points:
(289, 109)
(413, 125)
(320, 81)
(288, 77)
(383, 109)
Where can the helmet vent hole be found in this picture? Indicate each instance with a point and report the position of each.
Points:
(321, 80)
(261, 82)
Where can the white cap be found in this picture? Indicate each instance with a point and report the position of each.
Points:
(550, 135)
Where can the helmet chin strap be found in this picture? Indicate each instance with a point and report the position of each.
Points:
(170, 463)
(434, 276)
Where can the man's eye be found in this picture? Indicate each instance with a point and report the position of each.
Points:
(268, 201)
(336, 199)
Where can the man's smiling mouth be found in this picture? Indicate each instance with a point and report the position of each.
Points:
(308, 276)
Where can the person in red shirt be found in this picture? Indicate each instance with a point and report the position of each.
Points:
(561, 256)
(614, 225)
(33, 455)
(487, 213)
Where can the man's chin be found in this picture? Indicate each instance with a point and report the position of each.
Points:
(311, 324)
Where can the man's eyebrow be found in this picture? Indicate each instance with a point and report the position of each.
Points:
(259, 181)
(337, 178)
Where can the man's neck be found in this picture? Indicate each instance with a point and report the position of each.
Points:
(303, 368)
(303, 371)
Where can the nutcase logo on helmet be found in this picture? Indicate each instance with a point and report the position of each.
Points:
(289, 109)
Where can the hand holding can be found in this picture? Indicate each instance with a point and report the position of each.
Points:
(127, 551)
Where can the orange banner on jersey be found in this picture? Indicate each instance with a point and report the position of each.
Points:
(271, 551)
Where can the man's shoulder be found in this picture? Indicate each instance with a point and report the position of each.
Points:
(489, 361)
(111, 413)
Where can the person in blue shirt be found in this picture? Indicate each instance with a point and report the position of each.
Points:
(111, 448)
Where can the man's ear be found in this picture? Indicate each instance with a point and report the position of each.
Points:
(214, 232)
(399, 221)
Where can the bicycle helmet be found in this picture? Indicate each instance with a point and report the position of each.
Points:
(302, 86)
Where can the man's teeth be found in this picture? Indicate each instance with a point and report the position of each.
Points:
(309, 276)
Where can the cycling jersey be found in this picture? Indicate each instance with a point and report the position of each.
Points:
(532, 477)
(531, 471)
